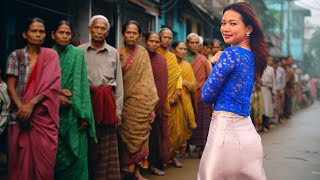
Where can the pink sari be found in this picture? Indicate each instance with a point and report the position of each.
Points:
(33, 149)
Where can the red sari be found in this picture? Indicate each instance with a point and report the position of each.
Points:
(159, 136)
(32, 150)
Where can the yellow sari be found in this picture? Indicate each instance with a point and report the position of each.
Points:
(174, 74)
(182, 118)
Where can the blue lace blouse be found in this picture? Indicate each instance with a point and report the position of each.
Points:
(231, 81)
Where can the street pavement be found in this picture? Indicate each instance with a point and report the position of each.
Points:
(291, 151)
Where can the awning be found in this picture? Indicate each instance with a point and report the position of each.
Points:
(146, 7)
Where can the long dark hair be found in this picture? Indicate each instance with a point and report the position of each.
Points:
(258, 43)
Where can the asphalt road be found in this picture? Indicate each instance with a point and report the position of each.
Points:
(291, 151)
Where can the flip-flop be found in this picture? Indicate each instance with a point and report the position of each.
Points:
(157, 172)
(176, 163)
(141, 178)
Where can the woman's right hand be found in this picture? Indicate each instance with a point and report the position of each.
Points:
(185, 83)
(176, 96)
(65, 92)
(64, 101)
(64, 97)
(215, 58)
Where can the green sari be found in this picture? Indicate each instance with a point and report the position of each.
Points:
(72, 159)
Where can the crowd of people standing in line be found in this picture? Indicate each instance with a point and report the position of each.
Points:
(97, 112)
(93, 111)
(283, 90)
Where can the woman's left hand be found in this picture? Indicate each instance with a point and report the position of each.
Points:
(82, 124)
(215, 58)
(25, 111)
(152, 116)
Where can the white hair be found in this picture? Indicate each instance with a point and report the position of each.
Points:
(99, 17)
(192, 35)
(164, 28)
(201, 40)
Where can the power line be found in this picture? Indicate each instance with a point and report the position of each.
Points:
(205, 19)
(164, 5)
(42, 7)
(169, 8)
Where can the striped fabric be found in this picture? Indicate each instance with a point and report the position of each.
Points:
(103, 157)
(203, 118)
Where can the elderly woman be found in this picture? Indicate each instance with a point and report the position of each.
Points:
(76, 117)
(140, 99)
(182, 113)
(158, 145)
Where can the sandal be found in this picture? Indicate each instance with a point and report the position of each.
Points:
(200, 152)
(141, 178)
(185, 155)
(157, 171)
(176, 163)
(138, 175)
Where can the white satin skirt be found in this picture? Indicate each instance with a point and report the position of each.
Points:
(233, 150)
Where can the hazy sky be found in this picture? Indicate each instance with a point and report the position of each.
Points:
(314, 6)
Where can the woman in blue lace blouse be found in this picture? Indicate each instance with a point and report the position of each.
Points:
(234, 149)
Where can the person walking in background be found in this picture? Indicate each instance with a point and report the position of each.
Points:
(33, 85)
(157, 155)
(256, 106)
(268, 90)
(234, 149)
(281, 85)
(290, 88)
(76, 116)
(313, 87)
(106, 88)
(140, 99)
(174, 85)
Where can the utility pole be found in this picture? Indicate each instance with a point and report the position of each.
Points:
(289, 28)
(281, 25)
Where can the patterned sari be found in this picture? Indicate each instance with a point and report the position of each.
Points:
(140, 99)
(182, 119)
(72, 161)
(256, 105)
